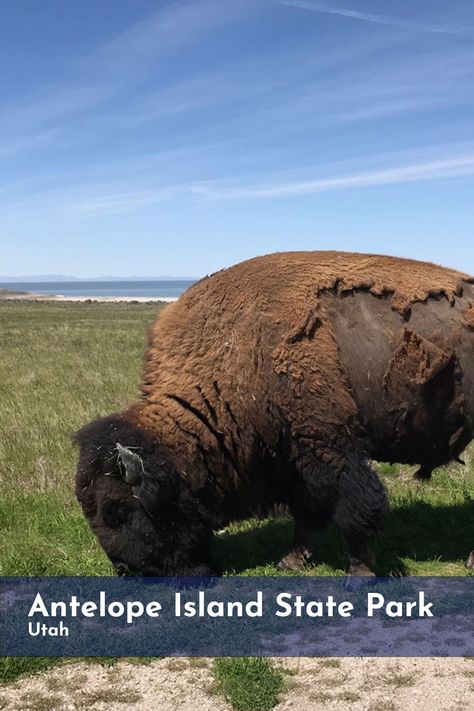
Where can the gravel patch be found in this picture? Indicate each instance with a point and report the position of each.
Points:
(335, 684)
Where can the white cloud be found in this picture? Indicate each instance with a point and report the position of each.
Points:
(369, 17)
(105, 73)
(173, 27)
(447, 168)
(96, 200)
(12, 148)
(116, 203)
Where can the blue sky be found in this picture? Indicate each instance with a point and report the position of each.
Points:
(141, 137)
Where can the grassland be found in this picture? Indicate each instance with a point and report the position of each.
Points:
(62, 365)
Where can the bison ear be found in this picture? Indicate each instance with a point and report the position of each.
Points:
(132, 464)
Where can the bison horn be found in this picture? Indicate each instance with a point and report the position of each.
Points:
(132, 463)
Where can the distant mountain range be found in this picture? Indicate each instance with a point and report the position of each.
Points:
(61, 277)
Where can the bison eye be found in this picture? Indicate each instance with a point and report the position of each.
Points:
(115, 513)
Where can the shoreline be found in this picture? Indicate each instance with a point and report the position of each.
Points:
(87, 299)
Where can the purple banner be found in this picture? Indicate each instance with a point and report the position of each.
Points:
(236, 616)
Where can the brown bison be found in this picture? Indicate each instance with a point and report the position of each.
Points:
(275, 382)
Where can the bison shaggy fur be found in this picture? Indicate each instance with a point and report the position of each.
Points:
(275, 382)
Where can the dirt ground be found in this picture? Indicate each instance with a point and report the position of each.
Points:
(353, 684)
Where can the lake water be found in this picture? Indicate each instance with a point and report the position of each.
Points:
(168, 289)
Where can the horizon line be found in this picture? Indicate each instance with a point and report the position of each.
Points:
(33, 278)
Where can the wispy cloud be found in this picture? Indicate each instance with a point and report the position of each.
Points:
(175, 26)
(52, 108)
(111, 69)
(209, 191)
(383, 88)
(97, 200)
(370, 17)
(447, 168)
(116, 203)
(43, 138)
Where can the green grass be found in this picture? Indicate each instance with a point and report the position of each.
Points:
(63, 365)
(13, 667)
(429, 531)
(248, 684)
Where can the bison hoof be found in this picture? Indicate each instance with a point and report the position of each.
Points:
(359, 576)
(423, 474)
(357, 582)
(293, 561)
(470, 560)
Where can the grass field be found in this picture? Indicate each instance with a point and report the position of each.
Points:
(64, 364)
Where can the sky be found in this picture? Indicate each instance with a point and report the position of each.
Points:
(147, 137)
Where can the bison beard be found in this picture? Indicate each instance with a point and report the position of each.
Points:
(275, 382)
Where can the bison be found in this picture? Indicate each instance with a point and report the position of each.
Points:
(276, 382)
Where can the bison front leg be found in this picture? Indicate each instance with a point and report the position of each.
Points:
(300, 553)
(360, 513)
(311, 502)
(361, 558)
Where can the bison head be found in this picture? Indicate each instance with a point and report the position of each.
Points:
(137, 503)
